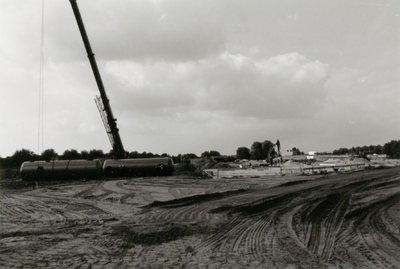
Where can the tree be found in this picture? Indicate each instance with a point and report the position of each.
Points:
(134, 154)
(185, 158)
(266, 147)
(21, 156)
(150, 155)
(177, 159)
(392, 149)
(71, 154)
(209, 154)
(378, 149)
(341, 151)
(49, 154)
(85, 154)
(96, 153)
(243, 153)
(257, 151)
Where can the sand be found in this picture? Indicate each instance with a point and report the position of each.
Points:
(330, 221)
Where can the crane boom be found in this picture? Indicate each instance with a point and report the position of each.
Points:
(104, 107)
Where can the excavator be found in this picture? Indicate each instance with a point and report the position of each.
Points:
(278, 147)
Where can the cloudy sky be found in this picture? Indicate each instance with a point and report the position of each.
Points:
(193, 76)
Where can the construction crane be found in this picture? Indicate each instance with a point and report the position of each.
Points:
(102, 101)
(278, 147)
(120, 167)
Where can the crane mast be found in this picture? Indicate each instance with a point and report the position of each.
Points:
(103, 103)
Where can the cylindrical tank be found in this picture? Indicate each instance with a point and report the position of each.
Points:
(61, 170)
(89, 169)
(138, 167)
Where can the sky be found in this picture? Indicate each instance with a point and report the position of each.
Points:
(193, 76)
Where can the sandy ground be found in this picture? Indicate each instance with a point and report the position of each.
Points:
(332, 221)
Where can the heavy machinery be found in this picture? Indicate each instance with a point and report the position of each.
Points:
(279, 156)
(120, 167)
(103, 103)
(93, 169)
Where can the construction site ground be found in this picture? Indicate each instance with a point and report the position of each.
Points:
(321, 221)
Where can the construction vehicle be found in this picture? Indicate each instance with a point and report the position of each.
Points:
(270, 160)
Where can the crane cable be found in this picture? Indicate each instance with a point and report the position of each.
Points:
(41, 83)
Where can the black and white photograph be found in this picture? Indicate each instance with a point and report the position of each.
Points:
(200, 134)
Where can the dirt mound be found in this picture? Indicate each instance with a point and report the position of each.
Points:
(148, 235)
(291, 163)
(196, 199)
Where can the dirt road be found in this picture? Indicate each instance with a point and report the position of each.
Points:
(333, 221)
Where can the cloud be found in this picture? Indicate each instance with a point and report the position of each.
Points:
(293, 17)
(184, 75)
(363, 95)
(138, 30)
(284, 86)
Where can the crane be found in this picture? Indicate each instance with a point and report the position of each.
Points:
(102, 101)
(120, 167)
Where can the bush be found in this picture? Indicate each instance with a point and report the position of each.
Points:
(9, 174)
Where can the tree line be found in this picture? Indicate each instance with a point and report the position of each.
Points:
(391, 149)
(24, 155)
(257, 151)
